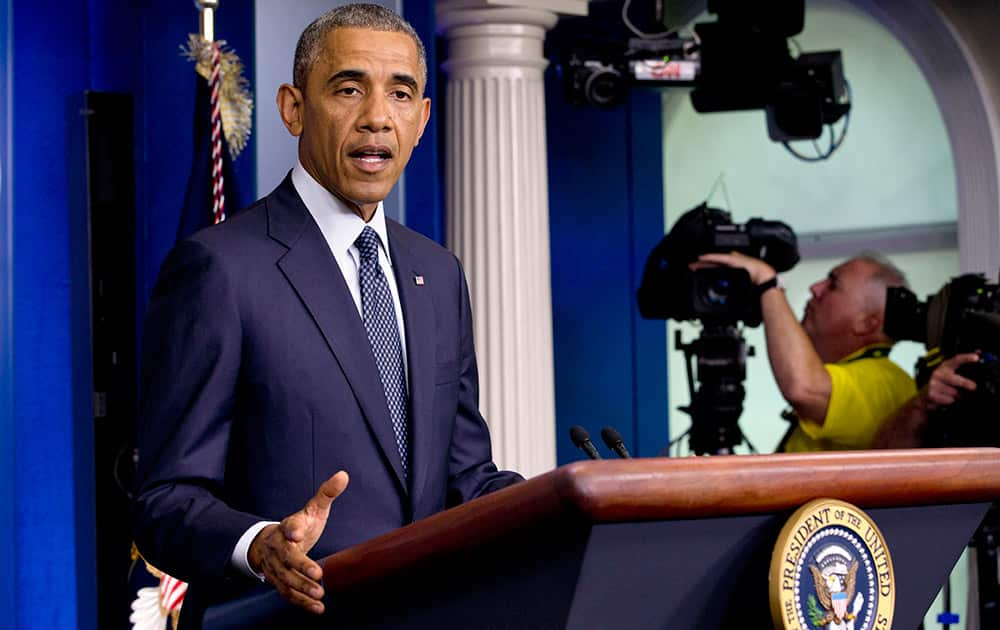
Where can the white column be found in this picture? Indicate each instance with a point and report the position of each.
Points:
(497, 216)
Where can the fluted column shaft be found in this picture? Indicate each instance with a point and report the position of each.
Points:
(498, 220)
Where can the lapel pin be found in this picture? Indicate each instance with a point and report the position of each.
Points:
(418, 280)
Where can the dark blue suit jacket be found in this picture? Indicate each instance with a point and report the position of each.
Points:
(258, 383)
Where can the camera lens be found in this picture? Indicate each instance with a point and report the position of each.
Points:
(718, 291)
(604, 87)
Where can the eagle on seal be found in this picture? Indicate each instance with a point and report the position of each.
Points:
(834, 590)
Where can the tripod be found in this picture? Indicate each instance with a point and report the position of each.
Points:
(719, 353)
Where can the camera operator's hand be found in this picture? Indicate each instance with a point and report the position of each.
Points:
(797, 367)
(759, 270)
(906, 427)
(945, 383)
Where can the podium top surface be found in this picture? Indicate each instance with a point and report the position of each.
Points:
(644, 489)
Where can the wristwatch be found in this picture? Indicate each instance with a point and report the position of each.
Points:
(767, 285)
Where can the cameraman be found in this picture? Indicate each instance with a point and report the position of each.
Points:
(833, 368)
(907, 427)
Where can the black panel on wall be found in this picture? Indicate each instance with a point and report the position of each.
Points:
(111, 209)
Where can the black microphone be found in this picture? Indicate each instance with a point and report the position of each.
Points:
(614, 440)
(581, 439)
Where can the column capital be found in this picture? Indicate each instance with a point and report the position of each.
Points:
(496, 37)
(561, 7)
(544, 13)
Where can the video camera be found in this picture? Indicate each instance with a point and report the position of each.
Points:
(963, 316)
(605, 78)
(720, 298)
(670, 290)
(740, 61)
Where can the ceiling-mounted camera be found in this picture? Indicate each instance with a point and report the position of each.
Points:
(595, 82)
(603, 77)
(740, 61)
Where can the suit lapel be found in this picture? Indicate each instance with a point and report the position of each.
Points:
(418, 313)
(313, 272)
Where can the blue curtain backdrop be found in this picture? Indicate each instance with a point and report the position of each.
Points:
(53, 461)
(424, 173)
(50, 58)
(7, 506)
(606, 214)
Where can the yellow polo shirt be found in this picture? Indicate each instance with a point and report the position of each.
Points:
(867, 389)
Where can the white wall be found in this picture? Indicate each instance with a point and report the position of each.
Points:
(278, 24)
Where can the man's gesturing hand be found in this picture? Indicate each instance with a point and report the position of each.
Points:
(279, 551)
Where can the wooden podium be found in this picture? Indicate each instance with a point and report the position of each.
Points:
(643, 543)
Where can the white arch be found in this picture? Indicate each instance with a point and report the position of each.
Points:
(946, 39)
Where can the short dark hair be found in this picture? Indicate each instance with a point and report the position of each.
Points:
(368, 16)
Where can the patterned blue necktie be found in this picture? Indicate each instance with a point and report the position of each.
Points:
(379, 316)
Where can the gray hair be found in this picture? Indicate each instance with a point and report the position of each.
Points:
(367, 16)
(886, 273)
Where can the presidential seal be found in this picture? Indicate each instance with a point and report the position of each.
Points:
(831, 570)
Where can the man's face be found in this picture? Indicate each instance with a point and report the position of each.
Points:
(839, 304)
(360, 114)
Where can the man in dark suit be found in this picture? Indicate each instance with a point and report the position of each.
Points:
(307, 337)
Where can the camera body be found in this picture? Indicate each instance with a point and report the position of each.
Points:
(720, 298)
(960, 317)
(963, 316)
(602, 76)
(714, 295)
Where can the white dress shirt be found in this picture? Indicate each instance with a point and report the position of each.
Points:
(340, 227)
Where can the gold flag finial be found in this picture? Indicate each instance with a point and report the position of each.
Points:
(235, 100)
(207, 9)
